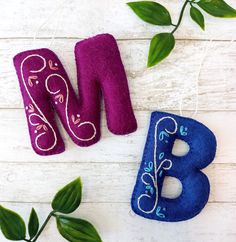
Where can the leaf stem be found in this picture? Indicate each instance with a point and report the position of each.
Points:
(181, 16)
(43, 226)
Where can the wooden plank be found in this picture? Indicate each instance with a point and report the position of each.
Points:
(161, 87)
(103, 182)
(109, 168)
(116, 223)
(15, 144)
(84, 18)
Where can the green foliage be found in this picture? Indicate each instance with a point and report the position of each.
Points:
(76, 230)
(160, 47)
(197, 16)
(33, 225)
(151, 12)
(66, 201)
(12, 225)
(217, 8)
(155, 13)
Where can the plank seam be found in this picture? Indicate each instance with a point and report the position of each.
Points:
(28, 202)
(118, 39)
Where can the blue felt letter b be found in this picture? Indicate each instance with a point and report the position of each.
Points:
(158, 162)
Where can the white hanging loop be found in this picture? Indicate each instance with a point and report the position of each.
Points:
(55, 13)
(206, 49)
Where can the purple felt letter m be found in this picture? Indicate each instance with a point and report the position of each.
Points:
(45, 87)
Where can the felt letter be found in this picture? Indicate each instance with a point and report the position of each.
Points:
(45, 86)
(158, 162)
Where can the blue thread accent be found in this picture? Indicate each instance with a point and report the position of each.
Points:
(183, 130)
(150, 188)
(152, 191)
(161, 155)
(163, 134)
(193, 180)
(161, 215)
(150, 167)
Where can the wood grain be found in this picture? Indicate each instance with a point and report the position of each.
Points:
(109, 168)
(103, 182)
(85, 18)
(117, 223)
(15, 143)
(161, 87)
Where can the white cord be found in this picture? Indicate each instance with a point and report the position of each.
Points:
(54, 13)
(206, 49)
(223, 75)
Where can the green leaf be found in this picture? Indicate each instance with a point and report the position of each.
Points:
(217, 8)
(68, 199)
(160, 47)
(77, 230)
(12, 225)
(197, 16)
(151, 12)
(33, 225)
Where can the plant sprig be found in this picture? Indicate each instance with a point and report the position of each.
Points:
(154, 13)
(66, 201)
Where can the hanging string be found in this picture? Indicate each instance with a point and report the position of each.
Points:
(58, 11)
(204, 55)
(55, 13)
(222, 74)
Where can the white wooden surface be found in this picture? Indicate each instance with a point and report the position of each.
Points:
(109, 168)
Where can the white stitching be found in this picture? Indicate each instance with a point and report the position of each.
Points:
(34, 103)
(66, 109)
(156, 169)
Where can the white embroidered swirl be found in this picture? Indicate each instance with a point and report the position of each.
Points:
(165, 164)
(40, 115)
(66, 108)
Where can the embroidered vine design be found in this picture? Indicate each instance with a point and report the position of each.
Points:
(51, 66)
(42, 126)
(152, 170)
(33, 108)
(31, 79)
(75, 119)
(183, 130)
(60, 98)
(159, 213)
(35, 112)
